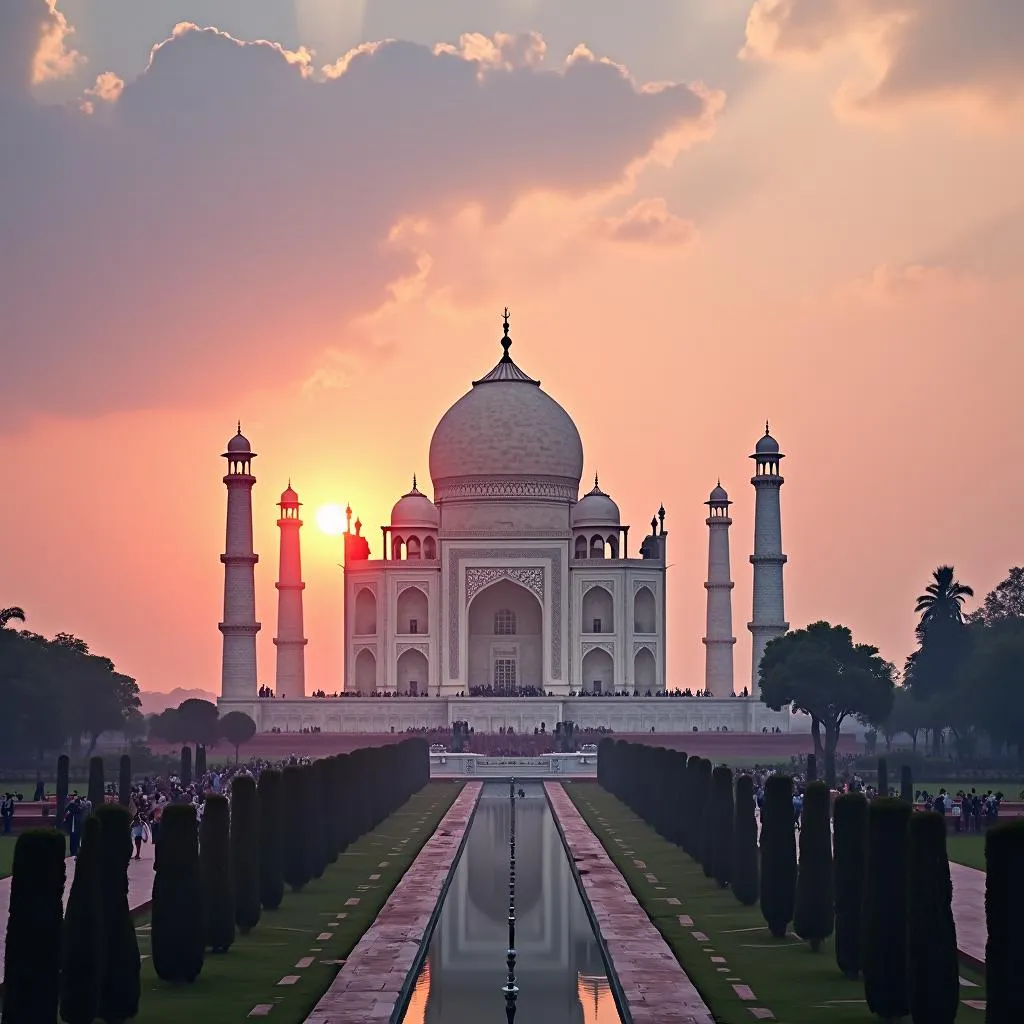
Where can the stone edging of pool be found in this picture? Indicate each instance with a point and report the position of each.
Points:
(648, 983)
(381, 971)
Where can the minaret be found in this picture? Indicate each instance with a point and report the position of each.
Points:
(719, 640)
(291, 671)
(238, 669)
(769, 618)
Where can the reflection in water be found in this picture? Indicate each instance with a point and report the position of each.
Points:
(559, 969)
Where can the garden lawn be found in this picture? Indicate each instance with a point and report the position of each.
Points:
(798, 986)
(232, 983)
(967, 849)
(6, 854)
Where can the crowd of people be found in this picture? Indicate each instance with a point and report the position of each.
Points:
(490, 690)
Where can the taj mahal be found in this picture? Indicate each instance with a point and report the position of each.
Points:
(508, 583)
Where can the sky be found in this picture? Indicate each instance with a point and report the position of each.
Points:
(309, 216)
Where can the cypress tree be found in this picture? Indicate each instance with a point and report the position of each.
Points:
(271, 824)
(814, 915)
(778, 855)
(849, 863)
(63, 770)
(177, 916)
(331, 767)
(124, 781)
(812, 768)
(121, 983)
(316, 802)
(200, 760)
(691, 830)
(186, 765)
(725, 813)
(32, 954)
(885, 909)
(245, 852)
(933, 965)
(1004, 911)
(215, 868)
(744, 839)
(906, 784)
(705, 810)
(82, 960)
(97, 785)
(883, 777)
(296, 831)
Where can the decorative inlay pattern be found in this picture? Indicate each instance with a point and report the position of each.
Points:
(400, 649)
(372, 648)
(552, 556)
(418, 584)
(603, 646)
(498, 488)
(608, 585)
(530, 578)
(651, 585)
(639, 645)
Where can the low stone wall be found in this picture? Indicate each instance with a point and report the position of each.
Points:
(371, 980)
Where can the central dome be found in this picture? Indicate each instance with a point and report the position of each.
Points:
(506, 439)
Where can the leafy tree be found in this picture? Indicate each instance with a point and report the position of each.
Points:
(822, 672)
(744, 858)
(198, 721)
(237, 728)
(178, 937)
(120, 986)
(82, 967)
(778, 855)
(814, 915)
(907, 717)
(166, 726)
(943, 598)
(933, 966)
(269, 796)
(1004, 911)
(32, 953)
(8, 615)
(992, 682)
(1005, 602)
(849, 860)
(215, 867)
(245, 852)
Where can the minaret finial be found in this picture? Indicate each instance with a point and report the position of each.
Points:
(289, 483)
(414, 481)
(506, 341)
(766, 431)
(597, 486)
(239, 427)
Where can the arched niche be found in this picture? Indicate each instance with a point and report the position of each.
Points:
(366, 671)
(430, 548)
(598, 672)
(597, 546)
(413, 672)
(598, 613)
(493, 610)
(412, 548)
(644, 612)
(366, 613)
(580, 547)
(413, 611)
(645, 671)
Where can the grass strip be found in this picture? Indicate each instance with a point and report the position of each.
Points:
(248, 975)
(798, 986)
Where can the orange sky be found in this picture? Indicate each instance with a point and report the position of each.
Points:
(828, 233)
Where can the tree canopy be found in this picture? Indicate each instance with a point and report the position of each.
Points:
(822, 672)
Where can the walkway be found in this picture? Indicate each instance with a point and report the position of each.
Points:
(371, 979)
(140, 891)
(655, 985)
(969, 913)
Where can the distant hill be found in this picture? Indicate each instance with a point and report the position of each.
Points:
(153, 703)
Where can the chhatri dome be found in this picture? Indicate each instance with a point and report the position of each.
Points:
(415, 509)
(506, 438)
(767, 445)
(239, 443)
(595, 508)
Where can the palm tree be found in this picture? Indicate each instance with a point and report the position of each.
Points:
(8, 614)
(942, 600)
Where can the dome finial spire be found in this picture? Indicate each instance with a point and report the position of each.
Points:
(597, 486)
(414, 481)
(766, 430)
(506, 341)
(239, 427)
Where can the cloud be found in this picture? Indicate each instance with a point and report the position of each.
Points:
(889, 283)
(648, 223)
(919, 50)
(231, 213)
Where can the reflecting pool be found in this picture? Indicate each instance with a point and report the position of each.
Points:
(559, 969)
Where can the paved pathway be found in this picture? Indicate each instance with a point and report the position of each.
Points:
(969, 913)
(368, 984)
(140, 891)
(656, 987)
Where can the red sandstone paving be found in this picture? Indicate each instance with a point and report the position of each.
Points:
(969, 912)
(140, 891)
(368, 984)
(657, 988)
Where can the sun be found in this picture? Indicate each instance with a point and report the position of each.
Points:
(331, 520)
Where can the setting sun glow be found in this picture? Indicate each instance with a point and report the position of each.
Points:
(331, 520)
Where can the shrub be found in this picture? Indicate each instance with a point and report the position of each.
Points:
(885, 909)
(724, 814)
(883, 777)
(97, 786)
(270, 817)
(122, 967)
(907, 784)
(177, 916)
(82, 955)
(778, 855)
(124, 781)
(812, 768)
(186, 765)
(296, 833)
(814, 915)
(933, 966)
(1004, 911)
(63, 769)
(744, 840)
(215, 868)
(245, 852)
(32, 955)
(849, 861)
